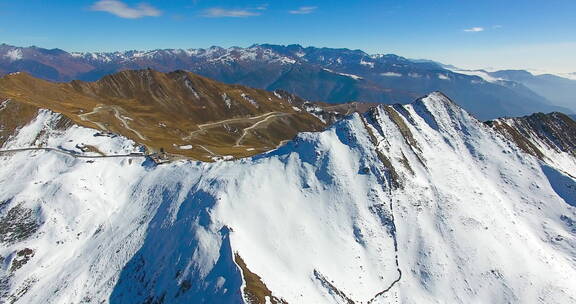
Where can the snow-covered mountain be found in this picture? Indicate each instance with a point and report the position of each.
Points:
(317, 74)
(417, 203)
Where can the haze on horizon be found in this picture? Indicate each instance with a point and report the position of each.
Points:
(533, 35)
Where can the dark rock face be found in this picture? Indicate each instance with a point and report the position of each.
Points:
(555, 130)
(18, 224)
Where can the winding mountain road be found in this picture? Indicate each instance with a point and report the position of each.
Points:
(116, 110)
(263, 118)
(245, 131)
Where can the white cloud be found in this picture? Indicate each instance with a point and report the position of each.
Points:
(120, 9)
(262, 7)
(303, 10)
(234, 13)
(475, 29)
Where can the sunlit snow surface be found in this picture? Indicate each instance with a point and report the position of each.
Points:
(475, 219)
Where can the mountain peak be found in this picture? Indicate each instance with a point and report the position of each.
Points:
(436, 99)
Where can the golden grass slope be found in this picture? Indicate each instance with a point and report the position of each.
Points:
(181, 112)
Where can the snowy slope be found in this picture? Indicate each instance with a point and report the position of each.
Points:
(477, 212)
(419, 203)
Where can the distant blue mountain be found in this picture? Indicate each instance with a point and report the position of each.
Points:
(319, 74)
(560, 91)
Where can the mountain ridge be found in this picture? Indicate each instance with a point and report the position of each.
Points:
(178, 112)
(402, 204)
(319, 74)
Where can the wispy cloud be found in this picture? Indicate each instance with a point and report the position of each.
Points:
(475, 29)
(217, 12)
(262, 7)
(120, 9)
(303, 10)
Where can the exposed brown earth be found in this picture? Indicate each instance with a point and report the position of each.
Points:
(179, 112)
(255, 291)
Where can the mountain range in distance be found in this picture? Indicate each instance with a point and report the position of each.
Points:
(557, 89)
(318, 74)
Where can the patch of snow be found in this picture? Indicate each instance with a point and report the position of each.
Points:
(188, 85)
(355, 77)
(391, 74)
(250, 100)
(286, 60)
(186, 147)
(192, 52)
(315, 111)
(367, 63)
(14, 54)
(227, 100)
(4, 104)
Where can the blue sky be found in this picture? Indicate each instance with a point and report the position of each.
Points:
(473, 34)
